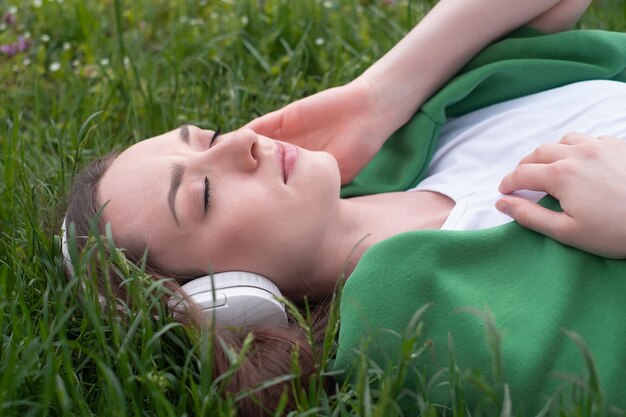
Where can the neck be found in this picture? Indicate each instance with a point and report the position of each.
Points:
(361, 222)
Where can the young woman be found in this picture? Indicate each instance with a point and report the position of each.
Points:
(245, 201)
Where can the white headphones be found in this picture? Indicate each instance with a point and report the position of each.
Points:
(236, 298)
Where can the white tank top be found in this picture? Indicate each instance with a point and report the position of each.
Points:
(477, 150)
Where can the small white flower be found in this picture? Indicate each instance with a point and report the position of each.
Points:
(104, 62)
(66, 46)
(319, 41)
(13, 10)
(196, 22)
(183, 19)
(3, 26)
(245, 20)
(26, 35)
(202, 2)
(181, 117)
(60, 1)
(75, 63)
(26, 62)
(126, 61)
(37, 3)
(54, 67)
(328, 4)
(45, 38)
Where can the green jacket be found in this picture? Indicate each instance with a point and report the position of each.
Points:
(534, 286)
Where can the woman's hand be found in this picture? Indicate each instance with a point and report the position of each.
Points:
(588, 177)
(340, 120)
(352, 122)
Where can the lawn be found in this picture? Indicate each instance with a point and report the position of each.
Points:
(79, 79)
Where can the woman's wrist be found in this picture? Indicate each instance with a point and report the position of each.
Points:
(446, 39)
(379, 117)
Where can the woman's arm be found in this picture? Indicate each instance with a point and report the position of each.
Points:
(353, 121)
(446, 39)
(561, 17)
(588, 177)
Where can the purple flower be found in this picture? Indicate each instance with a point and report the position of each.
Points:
(9, 49)
(9, 19)
(21, 45)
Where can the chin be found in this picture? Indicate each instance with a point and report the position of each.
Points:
(317, 168)
(332, 167)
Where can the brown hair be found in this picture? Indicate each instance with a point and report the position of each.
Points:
(272, 350)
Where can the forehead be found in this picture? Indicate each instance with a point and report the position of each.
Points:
(156, 145)
(135, 186)
(148, 158)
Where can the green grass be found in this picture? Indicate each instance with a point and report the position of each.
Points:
(100, 75)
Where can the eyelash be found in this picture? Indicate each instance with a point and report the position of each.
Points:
(207, 194)
(215, 135)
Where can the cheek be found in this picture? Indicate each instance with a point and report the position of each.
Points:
(247, 218)
(257, 228)
(262, 238)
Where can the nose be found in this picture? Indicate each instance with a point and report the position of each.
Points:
(238, 148)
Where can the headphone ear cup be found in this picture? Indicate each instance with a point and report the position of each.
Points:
(238, 298)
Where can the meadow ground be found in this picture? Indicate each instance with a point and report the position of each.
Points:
(81, 78)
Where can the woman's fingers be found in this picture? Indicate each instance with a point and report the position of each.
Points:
(557, 225)
(575, 138)
(588, 177)
(547, 154)
(552, 152)
(269, 124)
(540, 169)
(536, 177)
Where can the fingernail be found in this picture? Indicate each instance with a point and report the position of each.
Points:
(503, 207)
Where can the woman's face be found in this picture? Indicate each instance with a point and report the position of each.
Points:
(245, 203)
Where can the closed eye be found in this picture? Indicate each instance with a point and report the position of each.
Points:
(207, 195)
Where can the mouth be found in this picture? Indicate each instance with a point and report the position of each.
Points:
(287, 157)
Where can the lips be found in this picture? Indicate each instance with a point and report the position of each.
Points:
(287, 156)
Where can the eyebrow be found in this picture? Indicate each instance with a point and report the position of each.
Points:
(177, 177)
(183, 133)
